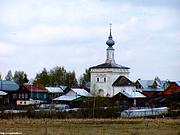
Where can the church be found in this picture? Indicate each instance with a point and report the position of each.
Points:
(104, 75)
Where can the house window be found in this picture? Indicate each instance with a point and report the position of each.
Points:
(37, 95)
(23, 95)
(26, 95)
(98, 79)
(19, 96)
(44, 96)
(14, 96)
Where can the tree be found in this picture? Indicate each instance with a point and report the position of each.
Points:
(42, 78)
(85, 78)
(70, 79)
(25, 80)
(57, 76)
(20, 77)
(9, 76)
(0, 76)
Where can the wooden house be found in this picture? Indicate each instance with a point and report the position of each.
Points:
(125, 93)
(30, 94)
(9, 87)
(174, 87)
(151, 88)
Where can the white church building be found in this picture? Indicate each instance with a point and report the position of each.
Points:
(104, 75)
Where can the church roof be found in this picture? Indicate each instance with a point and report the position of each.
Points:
(109, 65)
(123, 81)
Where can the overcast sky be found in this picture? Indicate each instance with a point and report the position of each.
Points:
(72, 33)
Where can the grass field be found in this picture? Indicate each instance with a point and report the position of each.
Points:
(91, 127)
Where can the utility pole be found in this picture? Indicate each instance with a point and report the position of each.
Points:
(94, 104)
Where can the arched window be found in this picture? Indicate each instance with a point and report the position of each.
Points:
(101, 92)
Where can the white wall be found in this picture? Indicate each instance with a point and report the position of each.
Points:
(111, 75)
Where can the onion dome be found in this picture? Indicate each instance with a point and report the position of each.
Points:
(110, 42)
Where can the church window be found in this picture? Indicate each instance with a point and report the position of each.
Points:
(97, 79)
(104, 79)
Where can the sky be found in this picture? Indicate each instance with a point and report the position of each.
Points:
(37, 34)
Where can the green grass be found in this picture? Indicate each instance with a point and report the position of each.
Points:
(92, 127)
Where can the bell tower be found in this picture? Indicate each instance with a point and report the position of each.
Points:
(105, 74)
(110, 50)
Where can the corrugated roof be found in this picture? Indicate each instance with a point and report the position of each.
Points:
(81, 92)
(35, 88)
(2, 93)
(8, 85)
(54, 90)
(110, 65)
(63, 87)
(73, 94)
(147, 85)
(178, 83)
(66, 98)
(131, 93)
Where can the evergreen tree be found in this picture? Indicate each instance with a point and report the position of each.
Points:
(9, 76)
(42, 78)
(26, 80)
(20, 77)
(85, 78)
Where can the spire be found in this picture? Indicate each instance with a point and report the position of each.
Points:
(110, 36)
(110, 49)
(110, 41)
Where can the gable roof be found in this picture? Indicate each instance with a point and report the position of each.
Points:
(2, 93)
(123, 81)
(81, 92)
(63, 87)
(66, 98)
(178, 83)
(173, 88)
(132, 94)
(73, 94)
(54, 90)
(147, 85)
(33, 87)
(110, 65)
(8, 86)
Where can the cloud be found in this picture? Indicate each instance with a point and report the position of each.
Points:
(7, 49)
(45, 33)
